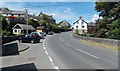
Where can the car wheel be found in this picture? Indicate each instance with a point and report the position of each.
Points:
(32, 41)
(20, 41)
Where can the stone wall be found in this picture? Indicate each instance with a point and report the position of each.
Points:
(10, 39)
(112, 42)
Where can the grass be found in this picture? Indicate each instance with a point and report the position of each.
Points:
(102, 45)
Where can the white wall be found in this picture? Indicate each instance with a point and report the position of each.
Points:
(82, 26)
(18, 31)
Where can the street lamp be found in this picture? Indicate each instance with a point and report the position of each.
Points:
(26, 16)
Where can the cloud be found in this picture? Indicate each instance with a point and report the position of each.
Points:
(94, 17)
(1, 3)
(13, 7)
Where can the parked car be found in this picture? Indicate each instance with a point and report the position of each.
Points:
(50, 33)
(43, 33)
(30, 38)
(40, 34)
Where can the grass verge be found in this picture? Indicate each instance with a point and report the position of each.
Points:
(102, 45)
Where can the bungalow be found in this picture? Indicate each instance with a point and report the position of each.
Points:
(65, 24)
(81, 25)
(21, 29)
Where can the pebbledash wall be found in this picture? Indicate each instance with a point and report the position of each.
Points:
(112, 42)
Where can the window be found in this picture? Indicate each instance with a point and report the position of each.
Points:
(82, 22)
(15, 31)
(83, 26)
(76, 26)
(83, 31)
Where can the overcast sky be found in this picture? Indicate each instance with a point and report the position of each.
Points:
(69, 11)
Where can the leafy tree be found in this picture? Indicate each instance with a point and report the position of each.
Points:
(42, 23)
(33, 23)
(108, 26)
(4, 23)
(5, 32)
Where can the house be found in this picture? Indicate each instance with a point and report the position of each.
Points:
(81, 25)
(49, 19)
(22, 28)
(13, 16)
(41, 29)
(65, 24)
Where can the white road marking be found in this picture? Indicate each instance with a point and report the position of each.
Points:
(44, 48)
(56, 67)
(51, 60)
(100, 68)
(68, 44)
(43, 45)
(46, 52)
(87, 53)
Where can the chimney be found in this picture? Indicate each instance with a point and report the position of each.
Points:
(80, 17)
(51, 15)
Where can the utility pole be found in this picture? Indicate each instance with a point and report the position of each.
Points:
(26, 16)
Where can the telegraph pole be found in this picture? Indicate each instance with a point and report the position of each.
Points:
(26, 16)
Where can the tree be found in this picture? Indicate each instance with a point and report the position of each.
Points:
(108, 26)
(5, 27)
(4, 23)
(42, 23)
(33, 23)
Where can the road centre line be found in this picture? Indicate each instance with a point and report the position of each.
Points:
(56, 67)
(68, 44)
(51, 60)
(44, 48)
(79, 49)
(87, 53)
(46, 52)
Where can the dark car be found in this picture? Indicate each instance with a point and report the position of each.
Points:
(30, 38)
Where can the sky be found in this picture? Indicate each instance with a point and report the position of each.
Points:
(69, 11)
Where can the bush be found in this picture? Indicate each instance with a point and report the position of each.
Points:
(77, 32)
(5, 33)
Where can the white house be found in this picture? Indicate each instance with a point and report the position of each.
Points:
(81, 25)
(21, 29)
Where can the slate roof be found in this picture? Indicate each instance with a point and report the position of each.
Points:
(89, 24)
(78, 20)
(40, 28)
(64, 23)
(24, 26)
(49, 17)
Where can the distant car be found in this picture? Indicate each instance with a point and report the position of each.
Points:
(30, 38)
(40, 34)
(50, 33)
(43, 33)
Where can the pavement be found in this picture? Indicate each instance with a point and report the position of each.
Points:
(62, 51)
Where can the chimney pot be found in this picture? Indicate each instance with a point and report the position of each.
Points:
(80, 17)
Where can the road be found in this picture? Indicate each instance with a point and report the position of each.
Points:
(70, 53)
(63, 51)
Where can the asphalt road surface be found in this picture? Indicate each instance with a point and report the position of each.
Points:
(63, 51)
(70, 53)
